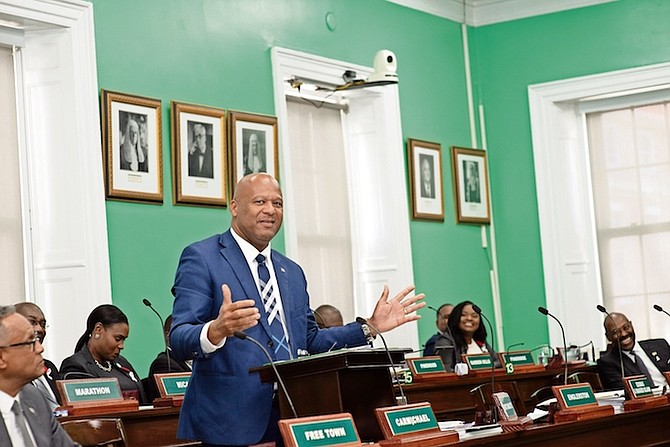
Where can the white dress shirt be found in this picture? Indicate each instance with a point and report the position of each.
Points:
(6, 403)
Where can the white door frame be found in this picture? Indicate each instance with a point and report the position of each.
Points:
(381, 246)
(565, 198)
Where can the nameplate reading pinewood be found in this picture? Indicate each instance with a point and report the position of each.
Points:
(518, 358)
(332, 430)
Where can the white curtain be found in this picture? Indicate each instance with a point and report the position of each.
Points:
(630, 165)
(321, 207)
(12, 283)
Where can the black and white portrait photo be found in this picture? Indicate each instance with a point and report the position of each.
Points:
(427, 176)
(472, 184)
(200, 155)
(134, 148)
(253, 152)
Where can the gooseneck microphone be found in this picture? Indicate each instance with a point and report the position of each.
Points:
(660, 309)
(544, 311)
(243, 336)
(167, 349)
(478, 310)
(361, 320)
(618, 341)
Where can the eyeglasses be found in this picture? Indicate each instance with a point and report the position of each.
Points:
(24, 343)
(42, 323)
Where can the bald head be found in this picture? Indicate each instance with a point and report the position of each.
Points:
(257, 209)
(328, 316)
(619, 329)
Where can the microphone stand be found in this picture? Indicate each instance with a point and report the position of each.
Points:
(660, 309)
(147, 303)
(618, 341)
(509, 348)
(243, 336)
(544, 311)
(403, 398)
(447, 364)
(494, 409)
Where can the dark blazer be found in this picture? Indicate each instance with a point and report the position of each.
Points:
(207, 170)
(447, 340)
(46, 429)
(609, 367)
(160, 366)
(429, 347)
(224, 403)
(82, 366)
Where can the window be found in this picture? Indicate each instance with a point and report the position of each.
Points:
(630, 168)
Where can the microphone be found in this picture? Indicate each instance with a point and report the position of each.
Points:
(544, 311)
(361, 320)
(167, 350)
(494, 412)
(243, 336)
(618, 342)
(660, 309)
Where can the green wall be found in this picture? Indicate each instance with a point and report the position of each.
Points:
(217, 53)
(508, 58)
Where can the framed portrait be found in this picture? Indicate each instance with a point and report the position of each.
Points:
(253, 145)
(425, 179)
(199, 165)
(471, 189)
(131, 128)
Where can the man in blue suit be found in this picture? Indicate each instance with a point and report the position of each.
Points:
(217, 292)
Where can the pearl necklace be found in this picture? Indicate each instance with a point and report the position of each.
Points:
(107, 368)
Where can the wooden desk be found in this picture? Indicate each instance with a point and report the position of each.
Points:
(640, 428)
(451, 400)
(156, 427)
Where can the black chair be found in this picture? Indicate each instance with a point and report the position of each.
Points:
(541, 394)
(108, 432)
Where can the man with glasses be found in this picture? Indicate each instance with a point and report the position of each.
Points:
(46, 383)
(26, 415)
(650, 358)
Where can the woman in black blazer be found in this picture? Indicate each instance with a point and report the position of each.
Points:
(97, 353)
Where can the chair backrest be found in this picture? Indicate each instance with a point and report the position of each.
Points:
(541, 394)
(108, 432)
(482, 396)
(591, 378)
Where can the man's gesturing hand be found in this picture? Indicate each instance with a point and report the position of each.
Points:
(232, 317)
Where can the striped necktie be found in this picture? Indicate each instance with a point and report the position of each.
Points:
(271, 303)
(642, 367)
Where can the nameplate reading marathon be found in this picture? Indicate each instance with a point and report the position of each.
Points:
(410, 420)
(91, 390)
(332, 432)
(478, 362)
(578, 396)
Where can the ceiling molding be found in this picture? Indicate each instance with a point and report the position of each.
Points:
(487, 12)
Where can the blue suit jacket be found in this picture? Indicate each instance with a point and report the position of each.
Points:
(224, 403)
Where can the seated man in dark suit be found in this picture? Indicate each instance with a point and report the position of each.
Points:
(443, 313)
(165, 363)
(46, 383)
(646, 357)
(23, 408)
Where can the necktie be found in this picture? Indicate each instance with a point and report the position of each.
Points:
(280, 343)
(21, 425)
(642, 367)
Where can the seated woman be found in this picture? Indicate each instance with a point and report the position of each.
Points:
(465, 334)
(97, 354)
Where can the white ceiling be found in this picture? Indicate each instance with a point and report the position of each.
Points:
(487, 12)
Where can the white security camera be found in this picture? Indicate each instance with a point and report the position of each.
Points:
(385, 66)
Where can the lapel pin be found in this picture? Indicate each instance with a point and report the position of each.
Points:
(31, 409)
(282, 269)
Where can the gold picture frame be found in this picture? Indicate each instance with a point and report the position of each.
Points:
(425, 179)
(471, 188)
(250, 132)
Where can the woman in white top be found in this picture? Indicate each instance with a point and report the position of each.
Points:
(465, 334)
